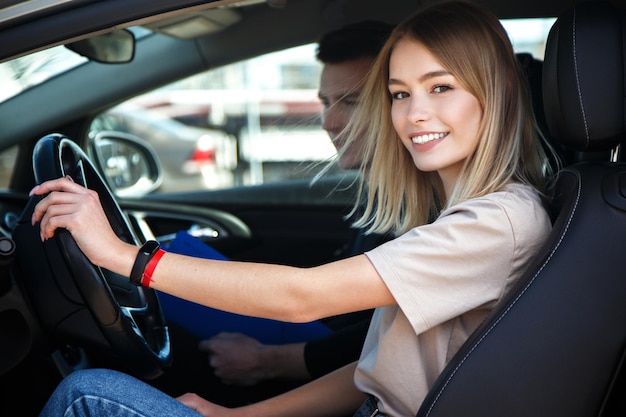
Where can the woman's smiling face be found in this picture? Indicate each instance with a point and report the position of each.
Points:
(436, 118)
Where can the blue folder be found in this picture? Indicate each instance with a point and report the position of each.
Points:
(205, 322)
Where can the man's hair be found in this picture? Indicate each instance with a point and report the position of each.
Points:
(357, 40)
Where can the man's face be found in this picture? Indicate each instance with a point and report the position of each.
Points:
(340, 88)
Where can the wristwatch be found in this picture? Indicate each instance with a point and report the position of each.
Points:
(146, 252)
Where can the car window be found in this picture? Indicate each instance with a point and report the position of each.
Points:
(529, 35)
(25, 72)
(248, 123)
(7, 161)
(252, 122)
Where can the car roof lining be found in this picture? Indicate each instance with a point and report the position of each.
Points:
(70, 24)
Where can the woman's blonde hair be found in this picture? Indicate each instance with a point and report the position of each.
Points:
(470, 43)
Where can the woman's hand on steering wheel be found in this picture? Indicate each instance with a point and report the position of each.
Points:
(76, 208)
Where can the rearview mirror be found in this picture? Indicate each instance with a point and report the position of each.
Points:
(128, 164)
(117, 47)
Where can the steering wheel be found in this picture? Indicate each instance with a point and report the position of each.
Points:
(76, 301)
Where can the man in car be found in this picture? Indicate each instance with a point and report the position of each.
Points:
(347, 55)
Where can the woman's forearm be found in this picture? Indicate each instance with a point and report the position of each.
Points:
(331, 395)
(273, 291)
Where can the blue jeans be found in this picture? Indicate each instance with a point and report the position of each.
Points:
(369, 409)
(206, 322)
(107, 393)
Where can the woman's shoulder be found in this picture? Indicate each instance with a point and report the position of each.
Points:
(514, 195)
(510, 222)
(518, 204)
(519, 198)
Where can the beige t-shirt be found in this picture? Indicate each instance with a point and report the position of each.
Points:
(445, 277)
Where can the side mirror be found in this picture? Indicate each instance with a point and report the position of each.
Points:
(128, 164)
(117, 47)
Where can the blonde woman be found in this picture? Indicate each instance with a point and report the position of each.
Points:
(451, 138)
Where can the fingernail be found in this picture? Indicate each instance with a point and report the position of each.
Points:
(35, 188)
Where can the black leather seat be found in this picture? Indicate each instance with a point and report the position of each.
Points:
(555, 345)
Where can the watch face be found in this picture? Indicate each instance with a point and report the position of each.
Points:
(150, 246)
(144, 255)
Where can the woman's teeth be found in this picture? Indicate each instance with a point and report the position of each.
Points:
(422, 139)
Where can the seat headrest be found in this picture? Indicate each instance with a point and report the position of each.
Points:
(584, 77)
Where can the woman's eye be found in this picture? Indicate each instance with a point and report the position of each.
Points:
(441, 88)
(399, 95)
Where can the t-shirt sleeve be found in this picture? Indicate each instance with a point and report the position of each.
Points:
(341, 347)
(457, 263)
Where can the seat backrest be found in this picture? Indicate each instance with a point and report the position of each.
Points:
(555, 344)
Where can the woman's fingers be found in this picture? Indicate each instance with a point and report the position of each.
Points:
(52, 218)
(66, 205)
(59, 184)
(78, 210)
(64, 185)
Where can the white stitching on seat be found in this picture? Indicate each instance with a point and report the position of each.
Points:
(578, 89)
(505, 312)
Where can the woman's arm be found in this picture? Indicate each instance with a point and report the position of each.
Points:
(274, 291)
(262, 290)
(331, 395)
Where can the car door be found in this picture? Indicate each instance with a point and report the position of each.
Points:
(289, 223)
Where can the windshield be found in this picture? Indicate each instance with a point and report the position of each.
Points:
(25, 72)
(30, 70)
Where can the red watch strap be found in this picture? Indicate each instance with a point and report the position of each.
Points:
(146, 277)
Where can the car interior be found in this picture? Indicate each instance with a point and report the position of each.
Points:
(555, 345)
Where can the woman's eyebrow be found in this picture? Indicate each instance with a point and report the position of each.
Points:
(422, 78)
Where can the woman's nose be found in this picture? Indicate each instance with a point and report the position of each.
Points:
(418, 109)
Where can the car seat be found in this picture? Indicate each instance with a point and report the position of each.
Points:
(555, 344)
